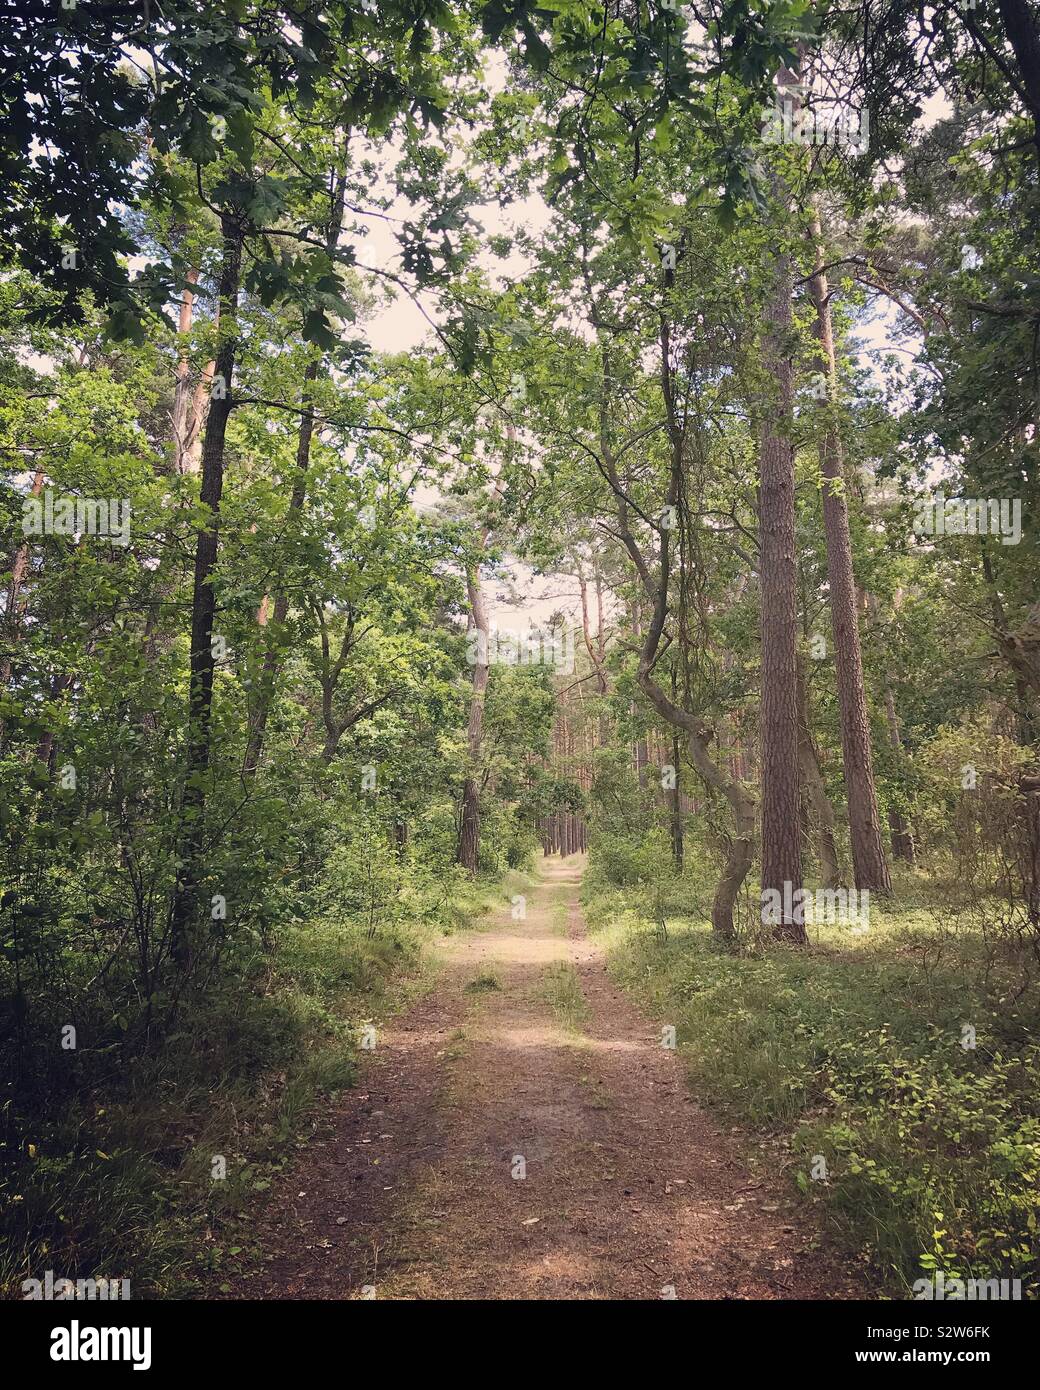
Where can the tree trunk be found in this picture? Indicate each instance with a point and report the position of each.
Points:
(869, 866)
(200, 687)
(819, 801)
(400, 838)
(272, 659)
(469, 830)
(740, 852)
(184, 396)
(899, 827)
(675, 806)
(1024, 37)
(741, 845)
(781, 842)
(596, 650)
(19, 569)
(640, 757)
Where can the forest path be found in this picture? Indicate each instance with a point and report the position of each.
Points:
(629, 1190)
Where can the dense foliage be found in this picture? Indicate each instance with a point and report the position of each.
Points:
(772, 290)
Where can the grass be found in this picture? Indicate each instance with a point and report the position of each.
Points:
(559, 918)
(484, 983)
(854, 1053)
(143, 1173)
(480, 910)
(562, 992)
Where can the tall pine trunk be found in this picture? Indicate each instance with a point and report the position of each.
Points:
(869, 866)
(781, 838)
(816, 791)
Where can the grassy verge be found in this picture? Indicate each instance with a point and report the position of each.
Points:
(132, 1176)
(895, 1073)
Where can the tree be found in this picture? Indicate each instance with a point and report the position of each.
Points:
(870, 869)
(781, 843)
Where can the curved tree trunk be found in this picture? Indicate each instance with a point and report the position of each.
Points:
(740, 854)
(741, 848)
(741, 851)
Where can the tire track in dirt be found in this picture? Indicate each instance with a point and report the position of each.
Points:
(630, 1190)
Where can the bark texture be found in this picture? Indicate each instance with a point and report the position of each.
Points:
(869, 865)
(781, 839)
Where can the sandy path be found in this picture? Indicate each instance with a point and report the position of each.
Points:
(628, 1190)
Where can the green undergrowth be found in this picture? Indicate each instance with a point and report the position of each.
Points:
(895, 1070)
(143, 1171)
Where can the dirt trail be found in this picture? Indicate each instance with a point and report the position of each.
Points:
(630, 1191)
